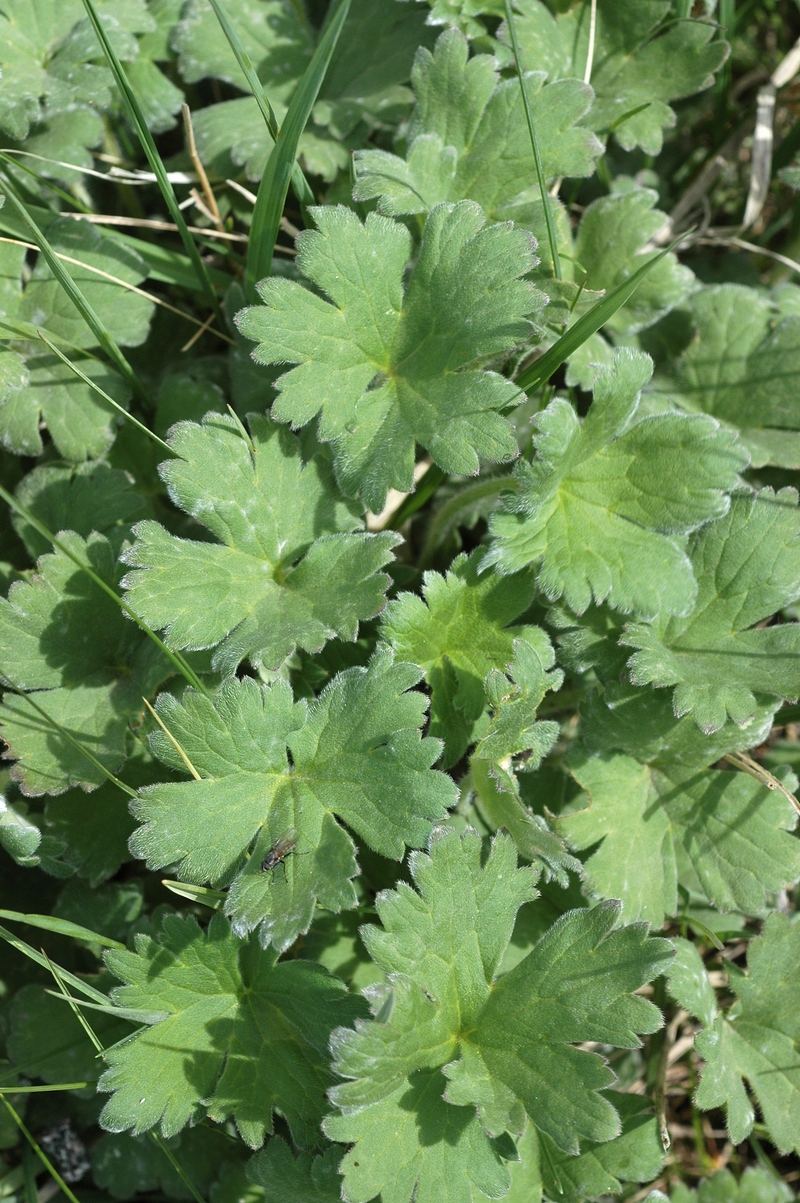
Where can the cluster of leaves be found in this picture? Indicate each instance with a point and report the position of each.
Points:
(400, 652)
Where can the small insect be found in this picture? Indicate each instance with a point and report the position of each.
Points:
(282, 848)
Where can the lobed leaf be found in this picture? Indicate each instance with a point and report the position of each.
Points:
(386, 366)
(603, 502)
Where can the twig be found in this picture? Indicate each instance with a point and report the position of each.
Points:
(208, 193)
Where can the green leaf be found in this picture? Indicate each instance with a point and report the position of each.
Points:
(665, 825)
(757, 1185)
(603, 501)
(468, 138)
(81, 425)
(370, 67)
(515, 741)
(47, 1041)
(243, 1035)
(125, 1165)
(355, 753)
(280, 575)
(273, 34)
(609, 248)
(385, 365)
(757, 1041)
(463, 13)
(303, 1179)
(87, 665)
(505, 1044)
(742, 366)
(86, 498)
(19, 836)
(689, 984)
(124, 314)
(457, 634)
(51, 64)
(636, 1155)
(640, 58)
(747, 566)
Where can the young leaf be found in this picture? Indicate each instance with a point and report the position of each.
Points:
(355, 752)
(757, 1041)
(515, 1034)
(516, 741)
(85, 662)
(387, 366)
(468, 138)
(609, 247)
(281, 575)
(243, 1035)
(457, 634)
(747, 566)
(637, 61)
(603, 501)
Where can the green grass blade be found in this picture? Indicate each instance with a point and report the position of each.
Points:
(81, 1018)
(54, 725)
(586, 326)
(40, 1153)
(61, 927)
(158, 1140)
(151, 434)
(208, 897)
(174, 658)
(44, 1089)
(300, 185)
(136, 118)
(59, 270)
(275, 181)
(537, 158)
(40, 959)
(134, 1014)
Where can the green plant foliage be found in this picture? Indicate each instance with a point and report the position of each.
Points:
(355, 753)
(740, 366)
(747, 566)
(458, 634)
(756, 1040)
(400, 595)
(435, 1050)
(420, 342)
(587, 509)
(63, 641)
(642, 60)
(52, 66)
(757, 1185)
(480, 147)
(276, 579)
(217, 994)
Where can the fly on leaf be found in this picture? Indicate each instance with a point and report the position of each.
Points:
(282, 848)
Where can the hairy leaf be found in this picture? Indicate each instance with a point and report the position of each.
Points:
(603, 502)
(505, 1044)
(240, 1035)
(288, 569)
(747, 566)
(478, 145)
(457, 634)
(663, 826)
(85, 664)
(757, 1041)
(386, 366)
(355, 753)
(641, 61)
